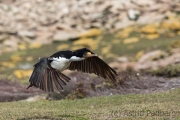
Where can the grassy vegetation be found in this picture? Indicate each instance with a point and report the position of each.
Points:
(167, 71)
(164, 105)
(118, 49)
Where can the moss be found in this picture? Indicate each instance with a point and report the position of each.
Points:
(108, 84)
(78, 93)
(91, 33)
(168, 71)
(175, 44)
(139, 54)
(149, 29)
(98, 87)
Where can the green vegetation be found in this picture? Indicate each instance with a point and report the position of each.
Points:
(12, 61)
(163, 105)
(168, 71)
(127, 42)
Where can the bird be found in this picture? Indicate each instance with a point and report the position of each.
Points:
(47, 73)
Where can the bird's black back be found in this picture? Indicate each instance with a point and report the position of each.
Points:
(68, 54)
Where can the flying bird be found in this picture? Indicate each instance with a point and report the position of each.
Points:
(47, 74)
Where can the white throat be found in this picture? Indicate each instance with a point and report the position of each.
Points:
(75, 58)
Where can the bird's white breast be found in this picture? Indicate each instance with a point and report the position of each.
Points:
(60, 63)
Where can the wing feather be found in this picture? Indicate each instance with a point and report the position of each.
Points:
(47, 78)
(94, 65)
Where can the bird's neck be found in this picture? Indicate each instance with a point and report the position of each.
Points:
(76, 58)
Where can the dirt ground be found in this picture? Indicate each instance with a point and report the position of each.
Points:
(14, 91)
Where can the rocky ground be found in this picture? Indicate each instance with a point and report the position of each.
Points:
(39, 22)
(83, 85)
(14, 91)
(28, 24)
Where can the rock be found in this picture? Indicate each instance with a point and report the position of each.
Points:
(114, 64)
(11, 44)
(145, 2)
(155, 18)
(153, 60)
(44, 36)
(65, 35)
(122, 59)
(173, 59)
(3, 37)
(96, 25)
(25, 33)
(58, 20)
(157, 54)
(36, 98)
(123, 24)
(25, 66)
(133, 14)
(63, 27)
(122, 66)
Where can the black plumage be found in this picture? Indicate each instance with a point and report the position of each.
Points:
(46, 77)
(47, 74)
(94, 65)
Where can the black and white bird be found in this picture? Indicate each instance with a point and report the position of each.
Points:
(47, 74)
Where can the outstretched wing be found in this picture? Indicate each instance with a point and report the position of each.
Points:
(47, 78)
(94, 65)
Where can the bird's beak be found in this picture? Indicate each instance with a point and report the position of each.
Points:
(89, 54)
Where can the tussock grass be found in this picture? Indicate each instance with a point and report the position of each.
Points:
(163, 105)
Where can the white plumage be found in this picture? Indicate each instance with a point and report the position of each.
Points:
(61, 63)
(75, 58)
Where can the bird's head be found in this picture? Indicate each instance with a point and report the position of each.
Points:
(88, 54)
(85, 53)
